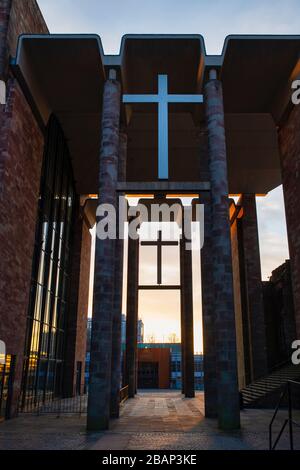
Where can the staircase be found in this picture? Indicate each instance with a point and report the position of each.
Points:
(265, 392)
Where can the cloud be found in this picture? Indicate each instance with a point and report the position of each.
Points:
(213, 19)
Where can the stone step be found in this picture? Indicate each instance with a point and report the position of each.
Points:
(269, 384)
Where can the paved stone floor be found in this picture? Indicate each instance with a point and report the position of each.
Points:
(153, 420)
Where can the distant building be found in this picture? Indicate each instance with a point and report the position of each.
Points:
(123, 327)
(159, 366)
(140, 332)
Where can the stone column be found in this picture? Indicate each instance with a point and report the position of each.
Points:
(132, 316)
(225, 340)
(208, 320)
(117, 318)
(101, 343)
(187, 319)
(253, 286)
(78, 306)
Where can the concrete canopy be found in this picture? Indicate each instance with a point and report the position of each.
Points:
(64, 74)
(256, 74)
(255, 71)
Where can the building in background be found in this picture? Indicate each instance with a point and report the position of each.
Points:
(160, 365)
(123, 328)
(140, 331)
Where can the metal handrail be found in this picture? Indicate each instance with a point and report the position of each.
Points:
(289, 420)
(123, 394)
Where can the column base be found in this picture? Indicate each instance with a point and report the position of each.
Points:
(97, 424)
(190, 395)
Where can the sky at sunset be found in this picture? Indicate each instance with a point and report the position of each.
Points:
(214, 20)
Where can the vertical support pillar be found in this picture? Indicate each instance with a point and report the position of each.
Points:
(101, 342)
(188, 320)
(208, 320)
(227, 381)
(117, 316)
(132, 316)
(78, 309)
(252, 277)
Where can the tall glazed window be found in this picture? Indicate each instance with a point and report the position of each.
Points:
(48, 305)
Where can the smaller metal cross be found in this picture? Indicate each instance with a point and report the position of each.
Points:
(159, 243)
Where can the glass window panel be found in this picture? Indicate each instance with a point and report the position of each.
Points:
(170, 265)
(35, 338)
(47, 308)
(160, 307)
(38, 302)
(57, 284)
(41, 268)
(64, 286)
(50, 378)
(54, 313)
(62, 310)
(52, 344)
(60, 247)
(60, 343)
(50, 274)
(148, 265)
(45, 341)
(41, 378)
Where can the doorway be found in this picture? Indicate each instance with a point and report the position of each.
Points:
(148, 375)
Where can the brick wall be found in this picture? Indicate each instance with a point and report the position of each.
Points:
(17, 17)
(289, 142)
(280, 314)
(25, 17)
(21, 153)
(5, 6)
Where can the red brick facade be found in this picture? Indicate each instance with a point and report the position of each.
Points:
(5, 6)
(17, 17)
(289, 140)
(21, 153)
(25, 17)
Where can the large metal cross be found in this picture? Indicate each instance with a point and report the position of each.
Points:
(163, 98)
(159, 243)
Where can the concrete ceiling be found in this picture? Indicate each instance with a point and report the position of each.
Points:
(64, 74)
